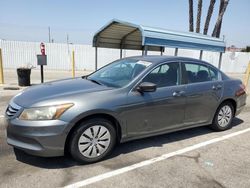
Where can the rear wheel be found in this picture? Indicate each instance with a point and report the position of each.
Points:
(223, 117)
(92, 140)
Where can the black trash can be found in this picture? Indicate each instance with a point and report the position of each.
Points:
(23, 76)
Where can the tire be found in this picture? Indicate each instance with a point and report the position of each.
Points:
(223, 117)
(92, 141)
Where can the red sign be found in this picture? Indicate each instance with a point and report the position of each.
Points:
(42, 47)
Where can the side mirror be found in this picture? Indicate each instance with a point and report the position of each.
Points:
(146, 87)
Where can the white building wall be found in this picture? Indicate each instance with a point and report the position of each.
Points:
(18, 53)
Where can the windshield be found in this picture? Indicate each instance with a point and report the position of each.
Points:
(119, 73)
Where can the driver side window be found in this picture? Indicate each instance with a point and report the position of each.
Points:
(164, 75)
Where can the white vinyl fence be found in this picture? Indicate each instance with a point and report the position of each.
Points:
(18, 53)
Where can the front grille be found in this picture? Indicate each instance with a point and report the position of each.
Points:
(12, 110)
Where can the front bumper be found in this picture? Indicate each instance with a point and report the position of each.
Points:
(41, 138)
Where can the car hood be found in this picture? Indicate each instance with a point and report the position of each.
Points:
(57, 89)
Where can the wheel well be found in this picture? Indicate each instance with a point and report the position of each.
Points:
(113, 120)
(232, 101)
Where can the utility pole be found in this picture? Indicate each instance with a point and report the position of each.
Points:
(49, 34)
(67, 38)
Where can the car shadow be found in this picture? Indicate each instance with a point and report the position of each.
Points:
(155, 141)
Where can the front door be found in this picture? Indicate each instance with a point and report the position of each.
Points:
(159, 111)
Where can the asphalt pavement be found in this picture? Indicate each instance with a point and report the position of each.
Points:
(170, 160)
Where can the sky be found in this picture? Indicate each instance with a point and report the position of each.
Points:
(28, 20)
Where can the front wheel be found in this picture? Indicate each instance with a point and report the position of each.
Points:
(92, 140)
(223, 117)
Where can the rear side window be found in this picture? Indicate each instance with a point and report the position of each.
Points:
(196, 73)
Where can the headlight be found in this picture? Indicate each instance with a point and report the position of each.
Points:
(44, 113)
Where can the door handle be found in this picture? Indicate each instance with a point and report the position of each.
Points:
(178, 93)
(218, 87)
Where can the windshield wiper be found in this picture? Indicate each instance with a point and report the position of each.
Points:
(95, 81)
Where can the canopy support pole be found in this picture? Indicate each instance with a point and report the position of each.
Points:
(96, 58)
(120, 53)
(145, 51)
(162, 49)
(220, 60)
(176, 52)
(201, 53)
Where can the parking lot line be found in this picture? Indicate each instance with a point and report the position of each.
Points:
(153, 160)
(1, 116)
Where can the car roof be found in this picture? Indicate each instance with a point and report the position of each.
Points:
(160, 59)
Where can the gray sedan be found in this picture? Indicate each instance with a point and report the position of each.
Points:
(128, 99)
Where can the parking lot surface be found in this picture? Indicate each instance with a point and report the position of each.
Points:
(224, 163)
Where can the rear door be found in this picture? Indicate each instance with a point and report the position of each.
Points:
(203, 92)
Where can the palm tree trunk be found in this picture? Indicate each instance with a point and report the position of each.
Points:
(219, 27)
(219, 20)
(191, 16)
(198, 21)
(209, 15)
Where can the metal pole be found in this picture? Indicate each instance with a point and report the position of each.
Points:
(220, 60)
(176, 52)
(120, 53)
(95, 58)
(73, 64)
(1, 68)
(146, 51)
(162, 51)
(247, 76)
(201, 53)
(42, 74)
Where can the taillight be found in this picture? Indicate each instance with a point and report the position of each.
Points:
(241, 90)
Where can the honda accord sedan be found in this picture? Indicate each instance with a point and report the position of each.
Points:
(128, 99)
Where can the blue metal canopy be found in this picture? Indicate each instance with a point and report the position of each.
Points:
(123, 35)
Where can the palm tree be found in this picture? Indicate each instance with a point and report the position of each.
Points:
(216, 31)
(191, 16)
(209, 15)
(219, 28)
(198, 21)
